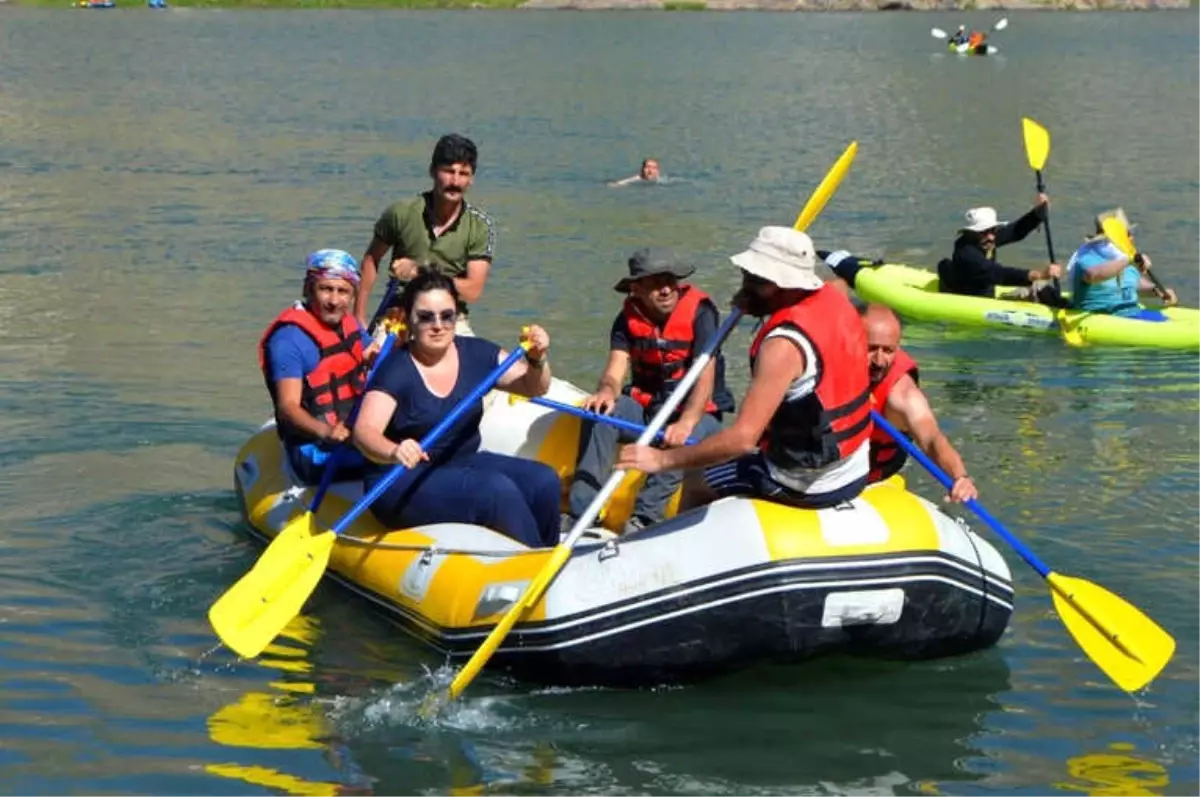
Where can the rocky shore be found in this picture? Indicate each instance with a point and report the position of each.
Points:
(859, 5)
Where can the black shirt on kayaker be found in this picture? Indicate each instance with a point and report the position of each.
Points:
(970, 272)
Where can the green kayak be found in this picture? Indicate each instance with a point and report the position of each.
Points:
(913, 293)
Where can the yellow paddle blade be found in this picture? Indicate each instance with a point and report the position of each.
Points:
(1037, 143)
(255, 609)
(1071, 334)
(1127, 645)
(1116, 231)
(816, 202)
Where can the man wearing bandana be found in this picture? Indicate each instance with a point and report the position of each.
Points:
(313, 357)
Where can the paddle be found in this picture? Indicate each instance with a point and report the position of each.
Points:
(1127, 645)
(1116, 231)
(339, 452)
(938, 33)
(1037, 150)
(587, 415)
(541, 582)
(826, 188)
(255, 609)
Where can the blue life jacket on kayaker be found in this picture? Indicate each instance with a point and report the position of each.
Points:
(1114, 296)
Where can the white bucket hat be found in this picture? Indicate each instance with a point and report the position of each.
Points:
(782, 256)
(982, 220)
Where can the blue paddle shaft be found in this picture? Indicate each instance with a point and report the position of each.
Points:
(1029, 556)
(428, 440)
(598, 417)
(335, 458)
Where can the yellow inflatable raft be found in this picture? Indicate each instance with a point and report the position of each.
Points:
(710, 590)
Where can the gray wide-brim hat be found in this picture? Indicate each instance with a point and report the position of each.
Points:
(650, 262)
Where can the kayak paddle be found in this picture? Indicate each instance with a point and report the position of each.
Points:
(541, 582)
(1127, 645)
(255, 609)
(1116, 231)
(562, 552)
(588, 415)
(1037, 150)
(938, 33)
(1001, 24)
(826, 188)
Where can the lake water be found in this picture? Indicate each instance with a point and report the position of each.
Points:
(163, 175)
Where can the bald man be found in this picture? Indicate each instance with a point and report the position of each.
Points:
(895, 393)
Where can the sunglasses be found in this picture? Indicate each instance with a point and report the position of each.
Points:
(428, 317)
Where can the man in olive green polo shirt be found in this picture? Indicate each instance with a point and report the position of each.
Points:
(438, 229)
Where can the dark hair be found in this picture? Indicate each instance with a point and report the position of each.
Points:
(427, 280)
(453, 148)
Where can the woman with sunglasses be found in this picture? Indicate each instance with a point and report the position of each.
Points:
(453, 481)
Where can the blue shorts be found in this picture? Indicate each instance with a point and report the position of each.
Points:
(748, 476)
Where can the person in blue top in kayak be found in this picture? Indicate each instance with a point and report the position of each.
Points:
(417, 386)
(972, 270)
(1104, 280)
(960, 36)
(313, 357)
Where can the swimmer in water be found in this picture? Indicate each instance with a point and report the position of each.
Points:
(649, 174)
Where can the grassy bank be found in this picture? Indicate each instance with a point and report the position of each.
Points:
(292, 3)
(666, 5)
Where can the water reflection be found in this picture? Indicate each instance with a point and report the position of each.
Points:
(1115, 771)
(284, 720)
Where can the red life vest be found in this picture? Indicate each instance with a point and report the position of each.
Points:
(329, 390)
(833, 421)
(887, 457)
(659, 358)
(975, 39)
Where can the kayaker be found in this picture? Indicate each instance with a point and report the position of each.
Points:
(663, 323)
(313, 360)
(649, 173)
(845, 268)
(895, 392)
(801, 435)
(973, 270)
(438, 229)
(1103, 280)
(976, 38)
(418, 384)
(960, 36)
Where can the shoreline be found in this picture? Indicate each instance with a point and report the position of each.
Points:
(823, 6)
(827, 6)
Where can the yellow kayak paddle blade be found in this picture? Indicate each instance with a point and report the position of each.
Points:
(833, 178)
(1127, 645)
(259, 606)
(1069, 328)
(1115, 230)
(1037, 143)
